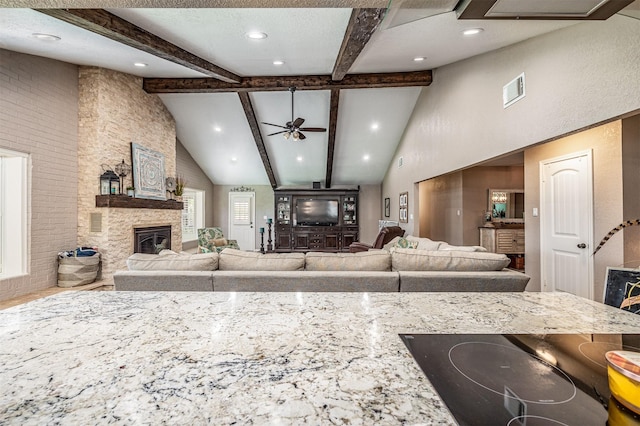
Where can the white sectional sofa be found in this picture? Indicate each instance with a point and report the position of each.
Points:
(393, 270)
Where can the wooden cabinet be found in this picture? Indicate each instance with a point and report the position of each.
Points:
(349, 235)
(334, 230)
(503, 240)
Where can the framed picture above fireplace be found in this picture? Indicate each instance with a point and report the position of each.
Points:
(148, 173)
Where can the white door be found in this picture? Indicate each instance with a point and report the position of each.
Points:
(242, 219)
(566, 217)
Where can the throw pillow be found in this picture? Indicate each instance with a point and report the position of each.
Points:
(404, 243)
(219, 242)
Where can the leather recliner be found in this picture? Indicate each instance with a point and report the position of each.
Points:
(385, 235)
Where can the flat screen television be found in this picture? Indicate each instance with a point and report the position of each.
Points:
(313, 211)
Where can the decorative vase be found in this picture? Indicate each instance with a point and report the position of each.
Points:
(130, 192)
(178, 198)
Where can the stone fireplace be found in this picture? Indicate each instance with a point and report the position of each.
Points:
(114, 111)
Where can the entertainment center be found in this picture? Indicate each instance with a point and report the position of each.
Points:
(315, 220)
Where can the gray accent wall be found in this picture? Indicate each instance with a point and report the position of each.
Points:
(187, 167)
(39, 116)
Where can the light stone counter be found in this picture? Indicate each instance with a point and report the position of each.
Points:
(252, 358)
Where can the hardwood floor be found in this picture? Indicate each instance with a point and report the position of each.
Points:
(102, 285)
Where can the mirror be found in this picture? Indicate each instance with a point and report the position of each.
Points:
(506, 205)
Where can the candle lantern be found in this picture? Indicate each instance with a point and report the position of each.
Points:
(109, 183)
(122, 170)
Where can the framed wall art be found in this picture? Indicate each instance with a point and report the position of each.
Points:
(622, 288)
(387, 207)
(148, 173)
(404, 207)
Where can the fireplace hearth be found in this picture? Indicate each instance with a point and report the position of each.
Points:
(152, 239)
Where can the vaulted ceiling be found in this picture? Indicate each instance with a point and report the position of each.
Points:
(353, 68)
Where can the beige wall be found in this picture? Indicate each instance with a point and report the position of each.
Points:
(113, 112)
(476, 183)
(187, 167)
(575, 77)
(371, 210)
(631, 179)
(39, 116)
(441, 199)
(452, 206)
(605, 142)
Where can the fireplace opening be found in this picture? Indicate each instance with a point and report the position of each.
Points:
(152, 239)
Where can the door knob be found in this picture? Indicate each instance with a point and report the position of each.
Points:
(582, 245)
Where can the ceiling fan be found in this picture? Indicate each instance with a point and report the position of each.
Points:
(292, 128)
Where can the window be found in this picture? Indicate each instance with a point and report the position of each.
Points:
(192, 213)
(14, 195)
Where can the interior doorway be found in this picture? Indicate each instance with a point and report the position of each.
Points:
(566, 224)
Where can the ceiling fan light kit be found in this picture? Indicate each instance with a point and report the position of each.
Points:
(292, 128)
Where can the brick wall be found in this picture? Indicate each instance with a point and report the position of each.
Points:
(39, 116)
(113, 112)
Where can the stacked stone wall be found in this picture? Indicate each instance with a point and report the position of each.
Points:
(114, 111)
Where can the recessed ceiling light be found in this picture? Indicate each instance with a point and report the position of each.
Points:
(419, 58)
(46, 37)
(365, 157)
(140, 64)
(234, 159)
(278, 63)
(256, 35)
(375, 126)
(299, 158)
(217, 129)
(472, 31)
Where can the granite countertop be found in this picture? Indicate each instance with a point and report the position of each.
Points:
(252, 358)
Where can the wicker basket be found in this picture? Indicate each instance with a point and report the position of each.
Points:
(74, 271)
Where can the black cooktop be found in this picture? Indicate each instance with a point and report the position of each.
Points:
(524, 379)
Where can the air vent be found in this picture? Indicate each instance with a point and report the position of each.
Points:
(550, 9)
(400, 161)
(95, 222)
(513, 91)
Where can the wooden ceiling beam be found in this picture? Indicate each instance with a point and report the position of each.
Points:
(282, 83)
(106, 24)
(257, 136)
(333, 124)
(362, 24)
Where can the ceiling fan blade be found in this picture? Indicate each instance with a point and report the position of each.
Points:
(301, 136)
(313, 129)
(277, 125)
(298, 122)
(277, 133)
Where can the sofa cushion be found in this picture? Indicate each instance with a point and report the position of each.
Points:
(372, 260)
(172, 261)
(445, 246)
(236, 260)
(314, 281)
(446, 260)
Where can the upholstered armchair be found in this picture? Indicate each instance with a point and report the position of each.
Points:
(385, 235)
(212, 239)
